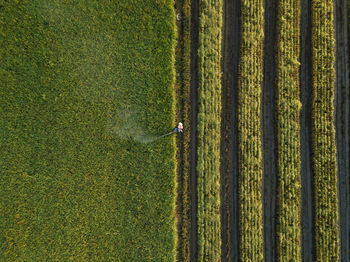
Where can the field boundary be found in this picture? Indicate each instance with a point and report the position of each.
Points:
(342, 124)
(229, 131)
(183, 76)
(193, 139)
(269, 131)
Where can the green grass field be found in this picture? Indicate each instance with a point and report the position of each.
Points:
(84, 87)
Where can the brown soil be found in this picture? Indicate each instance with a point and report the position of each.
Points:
(342, 122)
(269, 132)
(307, 191)
(229, 137)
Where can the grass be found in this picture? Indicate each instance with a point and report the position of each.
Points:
(83, 87)
(288, 126)
(183, 69)
(249, 134)
(208, 128)
(323, 140)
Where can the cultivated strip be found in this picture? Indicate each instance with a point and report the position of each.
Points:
(249, 130)
(324, 146)
(288, 131)
(208, 128)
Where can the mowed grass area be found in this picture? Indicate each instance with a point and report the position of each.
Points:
(76, 79)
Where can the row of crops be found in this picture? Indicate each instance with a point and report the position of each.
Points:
(249, 130)
(288, 126)
(208, 128)
(288, 106)
(324, 147)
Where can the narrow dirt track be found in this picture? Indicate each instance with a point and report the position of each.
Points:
(269, 132)
(194, 110)
(307, 202)
(342, 124)
(229, 143)
(180, 141)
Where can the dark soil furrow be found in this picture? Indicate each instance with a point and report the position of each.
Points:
(194, 110)
(182, 67)
(307, 204)
(229, 143)
(269, 132)
(342, 124)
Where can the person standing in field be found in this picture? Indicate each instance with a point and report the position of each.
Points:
(177, 129)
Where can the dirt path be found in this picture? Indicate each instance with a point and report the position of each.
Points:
(269, 132)
(307, 204)
(229, 143)
(342, 124)
(193, 142)
(182, 141)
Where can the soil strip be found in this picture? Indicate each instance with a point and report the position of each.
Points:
(269, 132)
(179, 141)
(194, 110)
(307, 190)
(229, 137)
(342, 124)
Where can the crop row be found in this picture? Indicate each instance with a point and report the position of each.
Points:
(209, 119)
(288, 126)
(324, 147)
(249, 126)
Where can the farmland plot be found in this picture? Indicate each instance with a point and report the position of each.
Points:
(80, 178)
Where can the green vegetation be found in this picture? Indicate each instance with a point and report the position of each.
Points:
(288, 126)
(183, 69)
(324, 155)
(249, 126)
(80, 84)
(209, 120)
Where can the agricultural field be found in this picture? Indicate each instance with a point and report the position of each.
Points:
(284, 131)
(261, 171)
(81, 179)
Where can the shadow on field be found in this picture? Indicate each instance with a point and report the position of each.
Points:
(307, 190)
(229, 137)
(269, 132)
(342, 121)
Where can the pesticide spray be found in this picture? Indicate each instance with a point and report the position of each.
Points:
(125, 125)
(178, 129)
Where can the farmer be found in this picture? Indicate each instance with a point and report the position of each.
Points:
(177, 129)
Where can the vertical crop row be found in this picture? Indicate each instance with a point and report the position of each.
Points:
(208, 128)
(249, 126)
(324, 147)
(288, 126)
